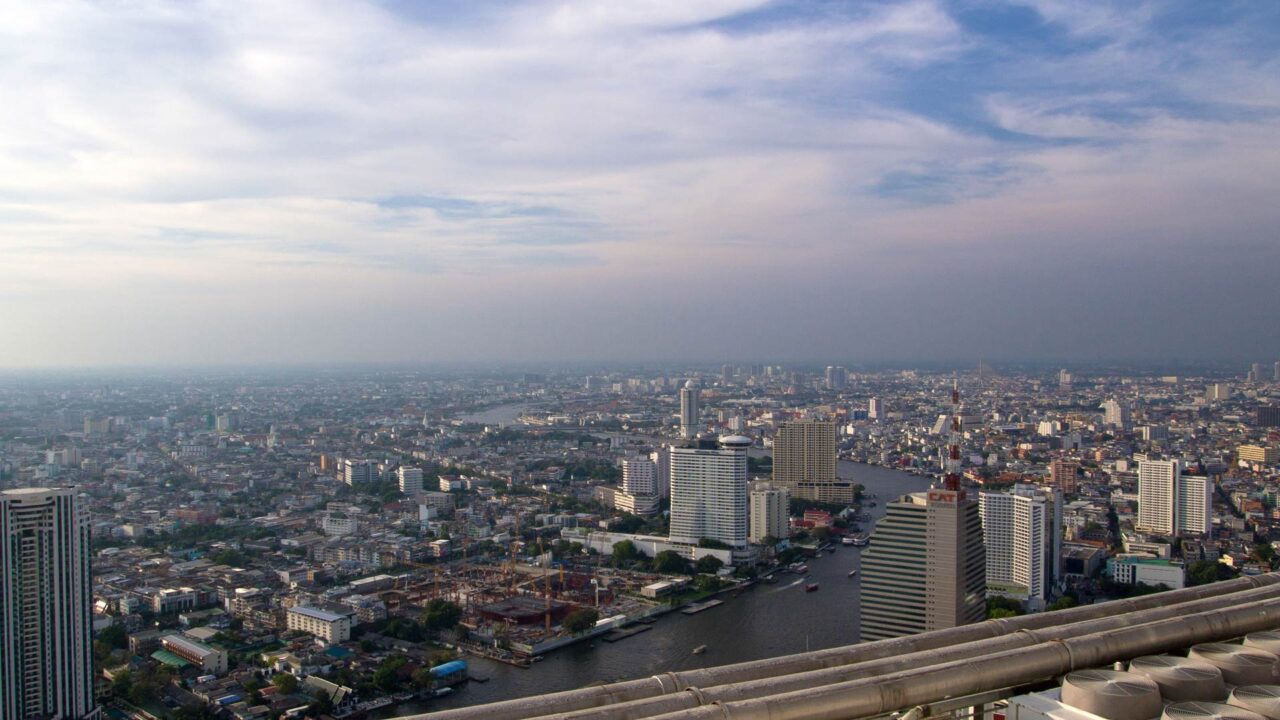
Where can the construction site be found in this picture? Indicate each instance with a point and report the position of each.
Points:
(512, 612)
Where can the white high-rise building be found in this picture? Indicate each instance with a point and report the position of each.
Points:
(639, 476)
(769, 513)
(836, 378)
(46, 652)
(1157, 484)
(689, 410)
(1022, 541)
(1194, 513)
(709, 492)
(410, 479)
(662, 470)
(1116, 414)
(357, 472)
(875, 409)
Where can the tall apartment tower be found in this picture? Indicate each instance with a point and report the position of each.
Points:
(689, 410)
(875, 409)
(1116, 414)
(925, 568)
(804, 462)
(1193, 514)
(709, 492)
(836, 378)
(46, 654)
(1063, 474)
(1157, 483)
(662, 470)
(639, 476)
(1022, 532)
(1170, 503)
(768, 513)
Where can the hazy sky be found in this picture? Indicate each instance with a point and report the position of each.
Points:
(279, 181)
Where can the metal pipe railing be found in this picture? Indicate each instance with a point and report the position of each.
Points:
(560, 703)
(886, 693)
(694, 697)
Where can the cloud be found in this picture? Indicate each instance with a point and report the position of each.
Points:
(433, 165)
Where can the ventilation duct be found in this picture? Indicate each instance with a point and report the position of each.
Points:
(1262, 699)
(1112, 695)
(1181, 679)
(1268, 640)
(1240, 665)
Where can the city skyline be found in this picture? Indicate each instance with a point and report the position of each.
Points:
(389, 182)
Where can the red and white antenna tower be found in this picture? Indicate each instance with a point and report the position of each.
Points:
(951, 481)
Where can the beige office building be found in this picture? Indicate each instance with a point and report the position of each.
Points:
(804, 462)
(926, 566)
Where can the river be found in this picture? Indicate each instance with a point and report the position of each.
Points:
(766, 621)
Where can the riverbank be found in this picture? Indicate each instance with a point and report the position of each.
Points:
(764, 621)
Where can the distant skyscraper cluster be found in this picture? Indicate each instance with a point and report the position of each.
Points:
(46, 654)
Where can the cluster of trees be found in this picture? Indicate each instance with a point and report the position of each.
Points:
(580, 620)
(111, 639)
(668, 562)
(440, 615)
(141, 687)
(1003, 607)
(1209, 571)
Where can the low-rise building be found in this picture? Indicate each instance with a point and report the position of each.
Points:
(331, 627)
(211, 660)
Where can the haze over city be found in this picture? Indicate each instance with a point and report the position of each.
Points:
(284, 182)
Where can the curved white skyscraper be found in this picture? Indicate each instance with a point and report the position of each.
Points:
(709, 492)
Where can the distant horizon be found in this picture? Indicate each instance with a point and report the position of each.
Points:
(709, 367)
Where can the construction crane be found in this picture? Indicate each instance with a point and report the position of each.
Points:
(951, 480)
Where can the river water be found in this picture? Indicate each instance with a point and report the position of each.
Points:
(766, 621)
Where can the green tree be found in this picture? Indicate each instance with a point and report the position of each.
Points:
(709, 564)
(122, 684)
(115, 637)
(285, 683)
(580, 620)
(423, 678)
(387, 677)
(669, 561)
(625, 551)
(1264, 553)
(1208, 571)
(1005, 607)
(1062, 603)
(441, 615)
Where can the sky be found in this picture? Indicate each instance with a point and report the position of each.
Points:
(469, 180)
